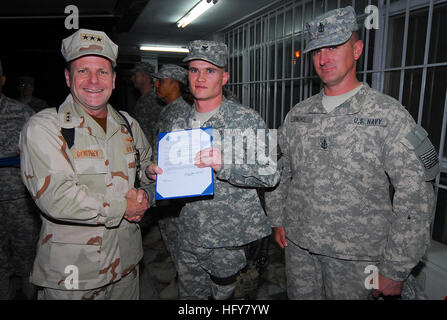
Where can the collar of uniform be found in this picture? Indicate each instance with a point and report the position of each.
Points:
(218, 119)
(72, 115)
(351, 106)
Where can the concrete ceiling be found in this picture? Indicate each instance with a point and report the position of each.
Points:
(38, 26)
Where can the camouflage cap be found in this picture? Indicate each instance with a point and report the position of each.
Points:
(330, 29)
(89, 42)
(211, 51)
(143, 67)
(172, 71)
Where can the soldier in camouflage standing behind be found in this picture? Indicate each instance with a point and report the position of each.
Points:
(341, 149)
(147, 109)
(18, 227)
(171, 83)
(79, 162)
(213, 232)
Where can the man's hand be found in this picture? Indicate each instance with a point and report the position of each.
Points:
(137, 204)
(388, 287)
(280, 236)
(153, 170)
(209, 157)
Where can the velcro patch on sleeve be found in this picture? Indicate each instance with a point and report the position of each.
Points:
(425, 151)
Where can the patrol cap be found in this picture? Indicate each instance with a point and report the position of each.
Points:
(211, 51)
(333, 28)
(172, 71)
(89, 42)
(143, 67)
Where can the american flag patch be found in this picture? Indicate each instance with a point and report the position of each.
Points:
(429, 158)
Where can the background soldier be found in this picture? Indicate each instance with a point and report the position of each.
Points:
(18, 230)
(25, 86)
(79, 163)
(147, 109)
(212, 232)
(341, 149)
(170, 85)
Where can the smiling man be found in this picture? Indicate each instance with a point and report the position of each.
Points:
(341, 150)
(79, 164)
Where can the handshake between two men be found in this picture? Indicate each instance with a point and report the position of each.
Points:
(137, 200)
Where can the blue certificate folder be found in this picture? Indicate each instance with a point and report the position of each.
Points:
(180, 177)
(9, 161)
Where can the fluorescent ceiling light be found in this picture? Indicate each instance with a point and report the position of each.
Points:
(195, 12)
(164, 49)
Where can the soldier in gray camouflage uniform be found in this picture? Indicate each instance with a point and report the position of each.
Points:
(212, 232)
(79, 164)
(341, 149)
(170, 85)
(18, 226)
(147, 109)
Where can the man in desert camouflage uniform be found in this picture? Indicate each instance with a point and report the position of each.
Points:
(170, 85)
(18, 227)
(79, 164)
(341, 149)
(147, 109)
(212, 232)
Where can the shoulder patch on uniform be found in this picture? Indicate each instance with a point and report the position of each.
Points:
(417, 140)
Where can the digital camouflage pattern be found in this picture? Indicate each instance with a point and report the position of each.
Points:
(197, 263)
(17, 230)
(213, 231)
(211, 51)
(234, 216)
(13, 116)
(81, 194)
(168, 222)
(172, 71)
(333, 198)
(147, 110)
(143, 67)
(331, 29)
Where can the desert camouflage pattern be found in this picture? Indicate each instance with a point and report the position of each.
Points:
(333, 198)
(211, 51)
(81, 194)
(147, 110)
(172, 71)
(331, 29)
(89, 42)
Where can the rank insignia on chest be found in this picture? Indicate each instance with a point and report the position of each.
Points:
(67, 117)
(323, 143)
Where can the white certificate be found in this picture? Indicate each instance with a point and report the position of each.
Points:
(180, 177)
